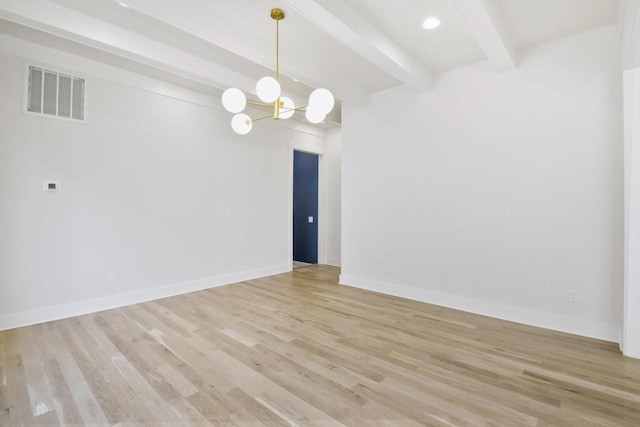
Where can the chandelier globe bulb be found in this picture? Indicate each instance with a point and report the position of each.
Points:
(268, 89)
(241, 124)
(234, 100)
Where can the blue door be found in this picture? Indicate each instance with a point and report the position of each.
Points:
(305, 207)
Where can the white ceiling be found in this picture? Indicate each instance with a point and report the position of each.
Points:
(353, 47)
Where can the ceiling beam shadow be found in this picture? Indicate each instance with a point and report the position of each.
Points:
(66, 23)
(345, 24)
(169, 13)
(487, 25)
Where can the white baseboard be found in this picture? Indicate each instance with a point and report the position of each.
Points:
(47, 314)
(586, 328)
(333, 261)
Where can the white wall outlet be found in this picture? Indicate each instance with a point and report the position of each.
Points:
(572, 294)
(113, 279)
(232, 212)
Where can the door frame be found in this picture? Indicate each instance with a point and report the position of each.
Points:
(318, 149)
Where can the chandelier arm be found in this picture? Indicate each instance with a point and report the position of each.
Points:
(286, 110)
(261, 104)
(270, 116)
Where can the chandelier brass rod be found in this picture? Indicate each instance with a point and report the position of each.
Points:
(286, 110)
(270, 116)
(261, 104)
(299, 108)
(278, 15)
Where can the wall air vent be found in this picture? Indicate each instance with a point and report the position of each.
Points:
(55, 94)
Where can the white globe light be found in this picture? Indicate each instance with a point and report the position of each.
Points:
(286, 107)
(268, 89)
(241, 124)
(321, 100)
(234, 100)
(314, 115)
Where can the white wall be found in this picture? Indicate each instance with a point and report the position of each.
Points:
(631, 331)
(496, 193)
(631, 65)
(630, 33)
(333, 156)
(147, 185)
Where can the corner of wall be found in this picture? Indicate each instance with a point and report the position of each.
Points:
(47, 314)
(554, 322)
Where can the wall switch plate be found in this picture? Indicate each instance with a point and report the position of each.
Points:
(573, 295)
(113, 279)
(310, 220)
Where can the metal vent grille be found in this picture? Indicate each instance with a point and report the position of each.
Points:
(35, 90)
(55, 94)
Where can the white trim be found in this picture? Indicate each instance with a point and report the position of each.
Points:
(630, 329)
(333, 261)
(47, 314)
(323, 208)
(587, 328)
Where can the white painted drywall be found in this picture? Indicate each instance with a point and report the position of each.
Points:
(496, 192)
(333, 156)
(631, 330)
(630, 33)
(154, 188)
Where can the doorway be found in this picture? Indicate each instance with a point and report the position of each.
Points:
(305, 207)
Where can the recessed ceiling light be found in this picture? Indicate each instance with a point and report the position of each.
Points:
(430, 23)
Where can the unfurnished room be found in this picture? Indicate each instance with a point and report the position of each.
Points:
(320, 213)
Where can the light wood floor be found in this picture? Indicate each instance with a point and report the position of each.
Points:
(298, 349)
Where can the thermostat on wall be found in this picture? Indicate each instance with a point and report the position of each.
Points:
(51, 186)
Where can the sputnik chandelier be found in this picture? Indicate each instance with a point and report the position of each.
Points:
(268, 90)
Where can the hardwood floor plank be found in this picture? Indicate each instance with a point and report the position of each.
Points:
(48, 419)
(138, 361)
(34, 355)
(190, 415)
(4, 391)
(209, 407)
(262, 413)
(297, 349)
(17, 401)
(414, 410)
(64, 405)
(108, 387)
(269, 392)
(140, 394)
(82, 395)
